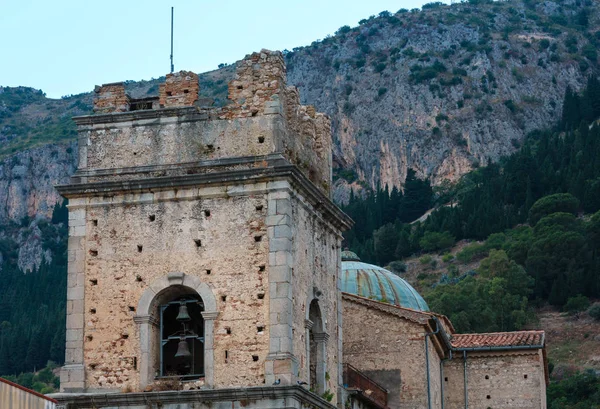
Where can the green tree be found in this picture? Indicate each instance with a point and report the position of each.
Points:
(559, 202)
(386, 240)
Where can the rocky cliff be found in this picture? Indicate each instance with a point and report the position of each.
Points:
(448, 88)
(440, 90)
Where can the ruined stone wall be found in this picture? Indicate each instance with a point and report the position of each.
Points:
(391, 351)
(264, 117)
(180, 89)
(111, 98)
(259, 88)
(308, 142)
(316, 250)
(229, 259)
(496, 380)
(256, 89)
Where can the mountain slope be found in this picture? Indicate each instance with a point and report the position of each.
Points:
(445, 89)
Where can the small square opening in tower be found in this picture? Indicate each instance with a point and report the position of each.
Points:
(198, 242)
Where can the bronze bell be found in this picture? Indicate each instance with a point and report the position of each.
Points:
(183, 349)
(183, 313)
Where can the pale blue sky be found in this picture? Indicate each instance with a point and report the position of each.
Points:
(67, 46)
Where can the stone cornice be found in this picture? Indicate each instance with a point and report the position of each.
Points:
(147, 399)
(275, 167)
(183, 114)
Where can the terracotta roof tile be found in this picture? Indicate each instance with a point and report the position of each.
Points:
(498, 339)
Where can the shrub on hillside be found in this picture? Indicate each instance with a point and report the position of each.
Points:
(433, 241)
(594, 311)
(397, 267)
(471, 252)
(577, 304)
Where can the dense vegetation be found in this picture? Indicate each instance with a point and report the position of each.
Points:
(43, 381)
(32, 306)
(580, 391)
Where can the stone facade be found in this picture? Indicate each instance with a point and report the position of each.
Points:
(496, 380)
(391, 350)
(230, 204)
(387, 343)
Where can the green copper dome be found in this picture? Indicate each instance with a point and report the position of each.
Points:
(370, 281)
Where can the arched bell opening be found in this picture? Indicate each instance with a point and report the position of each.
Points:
(158, 309)
(181, 332)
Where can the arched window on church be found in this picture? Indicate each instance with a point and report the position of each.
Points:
(182, 337)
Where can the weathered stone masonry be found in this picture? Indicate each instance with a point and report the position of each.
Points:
(232, 204)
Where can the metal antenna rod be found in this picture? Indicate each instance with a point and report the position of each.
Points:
(172, 66)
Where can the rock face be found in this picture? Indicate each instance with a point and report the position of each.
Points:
(27, 181)
(443, 90)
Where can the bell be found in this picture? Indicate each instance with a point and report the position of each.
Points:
(183, 313)
(183, 349)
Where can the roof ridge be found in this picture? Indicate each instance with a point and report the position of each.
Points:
(500, 333)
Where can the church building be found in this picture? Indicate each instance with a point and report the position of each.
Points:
(206, 270)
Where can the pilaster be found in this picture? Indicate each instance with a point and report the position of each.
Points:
(281, 364)
(72, 376)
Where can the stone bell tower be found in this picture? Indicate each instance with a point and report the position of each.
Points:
(224, 210)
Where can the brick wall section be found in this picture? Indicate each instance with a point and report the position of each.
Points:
(509, 379)
(111, 98)
(180, 89)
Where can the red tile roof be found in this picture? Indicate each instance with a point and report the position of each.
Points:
(499, 339)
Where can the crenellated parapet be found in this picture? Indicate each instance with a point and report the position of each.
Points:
(111, 98)
(180, 89)
(264, 117)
